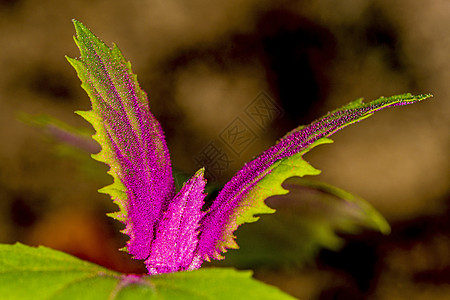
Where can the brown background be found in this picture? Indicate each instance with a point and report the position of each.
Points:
(202, 63)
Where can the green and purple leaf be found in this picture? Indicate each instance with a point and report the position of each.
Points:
(243, 196)
(132, 141)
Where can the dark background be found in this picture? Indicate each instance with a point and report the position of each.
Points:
(202, 63)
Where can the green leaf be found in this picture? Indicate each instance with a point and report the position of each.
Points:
(351, 207)
(42, 273)
(309, 218)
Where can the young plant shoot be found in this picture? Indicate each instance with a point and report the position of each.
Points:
(170, 231)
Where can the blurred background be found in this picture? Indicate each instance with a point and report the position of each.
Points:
(205, 66)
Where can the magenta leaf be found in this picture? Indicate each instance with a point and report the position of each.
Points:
(177, 235)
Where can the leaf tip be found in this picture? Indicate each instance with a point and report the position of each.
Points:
(78, 25)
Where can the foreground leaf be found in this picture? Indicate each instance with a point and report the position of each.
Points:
(42, 273)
